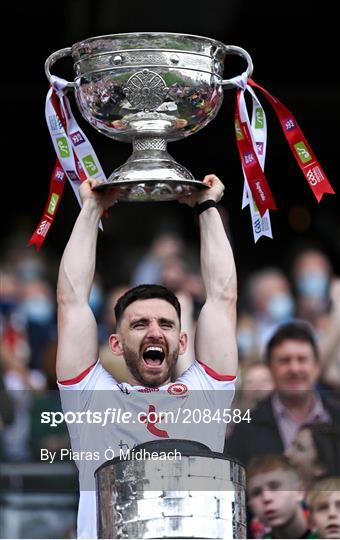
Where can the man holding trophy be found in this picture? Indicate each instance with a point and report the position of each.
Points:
(149, 337)
(149, 89)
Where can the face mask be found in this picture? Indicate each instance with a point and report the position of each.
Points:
(38, 310)
(95, 299)
(313, 284)
(30, 269)
(280, 307)
(244, 341)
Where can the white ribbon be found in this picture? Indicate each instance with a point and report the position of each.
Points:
(73, 138)
(258, 132)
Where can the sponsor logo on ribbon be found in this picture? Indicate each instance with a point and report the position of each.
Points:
(289, 124)
(53, 203)
(73, 176)
(64, 150)
(54, 122)
(77, 138)
(249, 157)
(308, 163)
(43, 228)
(302, 152)
(90, 165)
(238, 130)
(259, 122)
(71, 146)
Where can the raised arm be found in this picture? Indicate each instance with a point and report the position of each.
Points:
(77, 327)
(215, 340)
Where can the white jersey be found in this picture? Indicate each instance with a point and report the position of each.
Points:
(176, 409)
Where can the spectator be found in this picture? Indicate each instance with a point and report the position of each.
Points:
(315, 452)
(13, 331)
(293, 358)
(43, 435)
(26, 264)
(247, 342)
(96, 303)
(275, 497)
(256, 384)
(318, 301)
(38, 311)
(324, 504)
(18, 379)
(6, 410)
(165, 247)
(311, 272)
(270, 302)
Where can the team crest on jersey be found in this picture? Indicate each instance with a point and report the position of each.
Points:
(177, 389)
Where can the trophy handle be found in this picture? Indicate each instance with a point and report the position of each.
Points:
(233, 49)
(52, 59)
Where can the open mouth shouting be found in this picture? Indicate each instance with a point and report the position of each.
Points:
(153, 356)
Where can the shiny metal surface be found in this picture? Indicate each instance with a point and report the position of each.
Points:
(194, 497)
(149, 85)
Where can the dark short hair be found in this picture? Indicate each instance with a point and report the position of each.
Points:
(297, 330)
(145, 292)
(267, 463)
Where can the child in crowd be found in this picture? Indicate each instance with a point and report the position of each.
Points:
(275, 497)
(324, 504)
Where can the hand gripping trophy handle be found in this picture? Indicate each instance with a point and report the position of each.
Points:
(149, 89)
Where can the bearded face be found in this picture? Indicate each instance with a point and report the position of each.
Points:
(150, 340)
(152, 364)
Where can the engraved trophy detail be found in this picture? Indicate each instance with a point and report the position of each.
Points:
(149, 89)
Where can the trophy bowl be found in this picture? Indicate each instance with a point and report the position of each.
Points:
(147, 89)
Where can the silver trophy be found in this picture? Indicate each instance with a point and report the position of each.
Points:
(201, 496)
(149, 88)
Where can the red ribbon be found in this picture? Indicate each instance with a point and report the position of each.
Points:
(255, 176)
(299, 146)
(57, 185)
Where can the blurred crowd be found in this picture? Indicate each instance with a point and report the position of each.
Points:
(294, 445)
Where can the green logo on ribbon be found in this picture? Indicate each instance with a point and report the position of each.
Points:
(63, 147)
(239, 134)
(302, 152)
(90, 165)
(259, 118)
(53, 203)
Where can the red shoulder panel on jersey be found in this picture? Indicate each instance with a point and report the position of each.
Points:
(79, 377)
(215, 375)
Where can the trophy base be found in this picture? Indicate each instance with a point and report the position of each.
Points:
(152, 190)
(151, 174)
